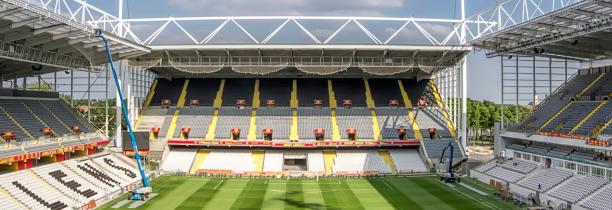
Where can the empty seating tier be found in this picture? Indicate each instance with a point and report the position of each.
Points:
(196, 118)
(384, 90)
(232, 117)
(23, 116)
(39, 110)
(545, 179)
(167, 89)
(312, 89)
(570, 117)
(600, 200)
(204, 90)
(351, 89)
(431, 117)
(578, 187)
(276, 118)
(238, 89)
(278, 90)
(359, 118)
(63, 112)
(391, 119)
(311, 118)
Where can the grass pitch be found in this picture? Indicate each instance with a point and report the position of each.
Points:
(423, 192)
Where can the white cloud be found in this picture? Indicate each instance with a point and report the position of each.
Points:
(285, 7)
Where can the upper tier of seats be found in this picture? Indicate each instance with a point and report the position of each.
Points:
(27, 117)
(581, 96)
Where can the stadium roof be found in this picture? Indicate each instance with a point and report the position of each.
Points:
(580, 31)
(36, 40)
(311, 59)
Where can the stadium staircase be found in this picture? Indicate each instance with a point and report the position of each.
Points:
(180, 103)
(147, 103)
(440, 103)
(294, 114)
(198, 160)
(599, 129)
(388, 160)
(555, 116)
(371, 105)
(333, 105)
(588, 115)
(590, 85)
(252, 134)
(210, 134)
(328, 160)
(258, 159)
(408, 105)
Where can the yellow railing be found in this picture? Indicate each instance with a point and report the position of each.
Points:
(294, 126)
(198, 160)
(328, 160)
(258, 159)
(411, 117)
(371, 105)
(554, 116)
(440, 103)
(180, 103)
(588, 116)
(388, 160)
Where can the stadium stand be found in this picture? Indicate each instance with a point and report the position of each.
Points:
(384, 90)
(358, 118)
(237, 161)
(374, 162)
(408, 161)
(315, 161)
(505, 174)
(577, 187)
(276, 118)
(232, 117)
(350, 161)
(311, 118)
(601, 199)
(23, 116)
(196, 118)
(67, 115)
(50, 120)
(310, 90)
(434, 148)
(567, 119)
(278, 90)
(601, 116)
(69, 184)
(431, 117)
(273, 161)
(545, 179)
(351, 89)
(391, 119)
(167, 89)
(178, 159)
(238, 89)
(204, 90)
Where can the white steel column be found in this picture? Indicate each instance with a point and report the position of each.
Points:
(118, 111)
(463, 82)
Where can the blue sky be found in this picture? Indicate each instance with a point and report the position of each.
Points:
(483, 73)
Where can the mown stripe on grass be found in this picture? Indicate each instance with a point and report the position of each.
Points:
(421, 196)
(313, 198)
(252, 195)
(393, 195)
(171, 192)
(449, 196)
(368, 195)
(294, 195)
(227, 194)
(338, 195)
(199, 198)
(274, 195)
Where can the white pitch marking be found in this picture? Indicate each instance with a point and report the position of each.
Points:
(215, 188)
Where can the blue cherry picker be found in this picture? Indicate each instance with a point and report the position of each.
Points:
(449, 176)
(140, 192)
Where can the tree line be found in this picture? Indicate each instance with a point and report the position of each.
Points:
(482, 115)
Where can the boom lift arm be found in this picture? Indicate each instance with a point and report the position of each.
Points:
(142, 192)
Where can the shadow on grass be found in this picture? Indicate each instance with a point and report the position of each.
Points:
(299, 203)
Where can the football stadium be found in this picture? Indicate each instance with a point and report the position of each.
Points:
(100, 109)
